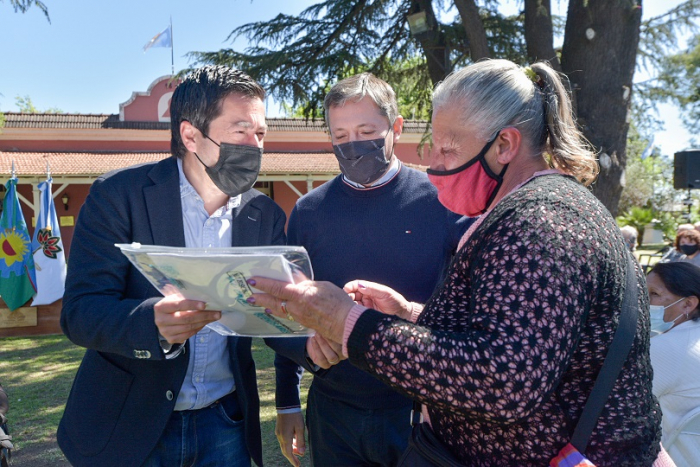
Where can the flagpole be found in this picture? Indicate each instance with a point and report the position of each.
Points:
(172, 47)
(13, 169)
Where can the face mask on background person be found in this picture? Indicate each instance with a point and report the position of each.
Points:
(237, 168)
(656, 314)
(469, 189)
(362, 162)
(688, 249)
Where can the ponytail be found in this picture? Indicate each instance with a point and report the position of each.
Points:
(567, 148)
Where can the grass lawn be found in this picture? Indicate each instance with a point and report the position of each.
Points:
(37, 373)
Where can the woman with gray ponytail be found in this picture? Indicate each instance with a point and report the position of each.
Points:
(505, 354)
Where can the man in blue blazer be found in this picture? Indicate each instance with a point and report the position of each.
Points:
(156, 387)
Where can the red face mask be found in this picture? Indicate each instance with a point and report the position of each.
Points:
(469, 189)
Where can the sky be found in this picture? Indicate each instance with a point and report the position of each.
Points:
(90, 58)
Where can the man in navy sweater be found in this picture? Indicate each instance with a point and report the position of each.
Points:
(380, 221)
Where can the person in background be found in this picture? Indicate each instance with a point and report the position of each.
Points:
(505, 353)
(156, 387)
(629, 233)
(674, 254)
(382, 220)
(5, 438)
(688, 243)
(674, 294)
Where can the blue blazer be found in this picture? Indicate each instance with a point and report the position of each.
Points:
(125, 389)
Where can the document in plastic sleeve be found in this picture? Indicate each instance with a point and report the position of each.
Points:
(218, 277)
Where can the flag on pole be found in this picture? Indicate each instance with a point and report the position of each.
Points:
(163, 39)
(17, 276)
(49, 257)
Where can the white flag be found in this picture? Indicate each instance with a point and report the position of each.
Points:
(49, 257)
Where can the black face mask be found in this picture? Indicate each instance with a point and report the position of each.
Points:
(362, 161)
(237, 168)
(689, 249)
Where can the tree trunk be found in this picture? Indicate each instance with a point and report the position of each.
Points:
(539, 34)
(599, 55)
(474, 29)
(432, 42)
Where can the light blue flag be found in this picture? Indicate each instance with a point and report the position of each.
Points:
(17, 276)
(163, 39)
(47, 245)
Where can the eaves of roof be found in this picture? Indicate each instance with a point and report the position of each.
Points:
(111, 121)
(91, 164)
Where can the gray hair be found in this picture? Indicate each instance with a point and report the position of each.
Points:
(630, 234)
(355, 88)
(495, 94)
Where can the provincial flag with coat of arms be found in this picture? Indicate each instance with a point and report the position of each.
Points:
(17, 276)
(49, 257)
(162, 39)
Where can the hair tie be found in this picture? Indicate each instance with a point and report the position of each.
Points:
(537, 79)
(533, 76)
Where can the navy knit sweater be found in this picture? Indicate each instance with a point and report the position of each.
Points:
(397, 234)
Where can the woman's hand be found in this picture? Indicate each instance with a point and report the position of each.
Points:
(318, 305)
(380, 298)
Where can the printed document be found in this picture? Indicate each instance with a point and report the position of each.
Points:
(218, 277)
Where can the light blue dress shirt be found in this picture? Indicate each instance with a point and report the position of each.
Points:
(209, 375)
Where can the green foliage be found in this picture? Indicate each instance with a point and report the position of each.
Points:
(667, 222)
(677, 74)
(26, 105)
(297, 58)
(682, 76)
(637, 217)
(412, 86)
(23, 5)
(648, 196)
(648, 181)
(640, 218)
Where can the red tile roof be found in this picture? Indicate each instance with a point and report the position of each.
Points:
(111, 121)
(97, 163)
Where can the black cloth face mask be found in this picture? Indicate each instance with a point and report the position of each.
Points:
(237, 168)
(689, 249)
(362, 161)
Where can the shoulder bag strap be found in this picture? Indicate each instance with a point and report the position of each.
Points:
(615, 358)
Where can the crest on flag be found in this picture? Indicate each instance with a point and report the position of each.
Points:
(50, 246)
(47, 247)
(17, 275)
(162, 39)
